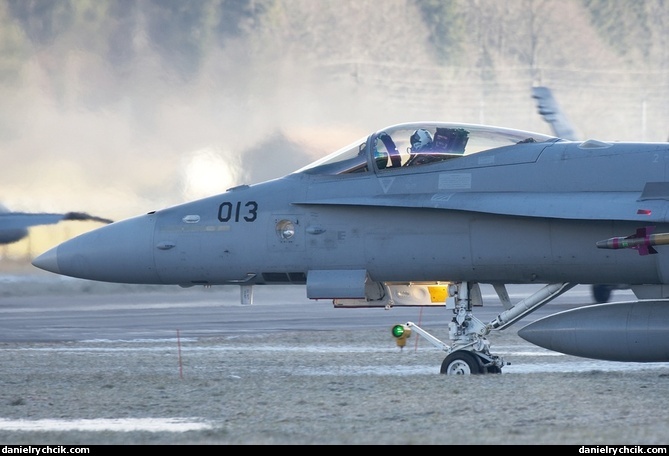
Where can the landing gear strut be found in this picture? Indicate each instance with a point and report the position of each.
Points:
(470, 351)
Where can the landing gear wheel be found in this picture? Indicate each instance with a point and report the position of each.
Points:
(601, 293)
(494, 370)
(462, 363)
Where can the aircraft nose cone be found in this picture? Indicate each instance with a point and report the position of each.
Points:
(48, 261)
(121, 252)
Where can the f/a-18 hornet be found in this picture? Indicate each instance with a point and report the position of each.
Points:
(415, 206)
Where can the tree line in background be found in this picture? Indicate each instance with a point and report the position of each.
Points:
(183, 32)
(399, 51)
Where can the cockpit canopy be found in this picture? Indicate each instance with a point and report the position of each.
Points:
(419, 143)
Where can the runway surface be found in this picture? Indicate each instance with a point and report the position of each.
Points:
(79, 310)
(63, 334)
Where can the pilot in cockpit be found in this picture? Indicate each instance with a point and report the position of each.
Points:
(447, 143)
(421, 140)
(421, 145)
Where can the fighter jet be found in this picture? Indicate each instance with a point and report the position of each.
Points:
(428, 203)
(14, 225)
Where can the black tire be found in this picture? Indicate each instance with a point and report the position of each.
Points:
(601, 293)
(462, 363)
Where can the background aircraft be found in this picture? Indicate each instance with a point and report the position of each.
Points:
(14, 225)
(427, 203)
(552, 113)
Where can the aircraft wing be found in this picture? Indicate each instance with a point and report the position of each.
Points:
(14, 225)
(627, 206)
(19, 220)
(551, 112)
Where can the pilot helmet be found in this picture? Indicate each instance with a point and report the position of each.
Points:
(420, 140)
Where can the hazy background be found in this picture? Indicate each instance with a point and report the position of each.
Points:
(120, 107)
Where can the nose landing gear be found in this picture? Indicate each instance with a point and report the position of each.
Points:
(470, 352)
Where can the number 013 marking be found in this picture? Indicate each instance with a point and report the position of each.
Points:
(248, 212)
